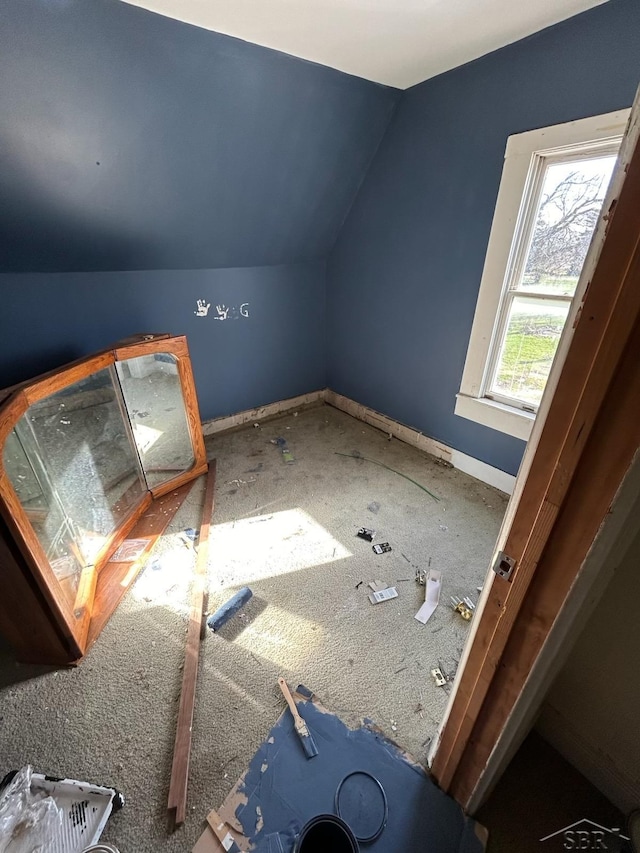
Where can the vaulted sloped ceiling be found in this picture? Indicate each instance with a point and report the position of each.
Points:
(397, 42)
(132, 141)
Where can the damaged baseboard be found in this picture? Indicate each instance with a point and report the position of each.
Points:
(468, 464)
(217, 425)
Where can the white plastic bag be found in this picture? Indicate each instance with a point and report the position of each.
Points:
(27, 820)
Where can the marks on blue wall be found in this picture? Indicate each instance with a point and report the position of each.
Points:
(202, 308)
(237, 365)
(223, 312)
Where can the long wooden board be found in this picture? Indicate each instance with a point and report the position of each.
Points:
(177, 802)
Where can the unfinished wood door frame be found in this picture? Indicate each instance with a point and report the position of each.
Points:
(557, 506)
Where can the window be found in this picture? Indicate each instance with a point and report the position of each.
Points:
(553, 184)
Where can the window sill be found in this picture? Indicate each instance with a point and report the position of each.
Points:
(497, 416)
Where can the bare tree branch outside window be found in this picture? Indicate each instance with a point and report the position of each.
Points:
(566, 220)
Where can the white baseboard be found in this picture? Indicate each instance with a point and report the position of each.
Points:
(468, 464)
(620, 787)
(262, 412)
(474, 467)
(482, 471)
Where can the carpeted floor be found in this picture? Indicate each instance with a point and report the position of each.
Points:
(288, 531)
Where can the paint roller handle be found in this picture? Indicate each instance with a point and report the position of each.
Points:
(287, 695)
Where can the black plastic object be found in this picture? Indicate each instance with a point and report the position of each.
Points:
(366, 533)
(361, 802)
(326, 833)
(382, 548)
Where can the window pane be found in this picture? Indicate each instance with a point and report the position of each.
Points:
(533, 330)
(570, 201)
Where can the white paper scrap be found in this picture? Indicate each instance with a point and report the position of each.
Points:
(383, 595)
(433, 586)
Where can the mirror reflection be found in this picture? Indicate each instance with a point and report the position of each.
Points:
(153, 395)
(72, 463)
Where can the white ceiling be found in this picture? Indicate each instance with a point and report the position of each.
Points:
(397, 42)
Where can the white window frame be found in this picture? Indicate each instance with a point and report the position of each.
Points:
(521, 176)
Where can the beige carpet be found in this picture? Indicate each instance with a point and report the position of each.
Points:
(288, 531)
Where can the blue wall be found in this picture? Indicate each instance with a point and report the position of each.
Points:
(403, 278)
(214, 169)
(203, 166)
(132, 141)
(278, 351)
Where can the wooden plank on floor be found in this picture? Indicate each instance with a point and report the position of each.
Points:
(177, 802)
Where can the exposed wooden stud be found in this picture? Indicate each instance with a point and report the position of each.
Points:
(177, 802)
(606, 459)
(607, 323)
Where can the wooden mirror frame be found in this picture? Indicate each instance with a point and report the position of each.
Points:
(35, 616)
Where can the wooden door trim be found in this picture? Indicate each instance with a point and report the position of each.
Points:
(608, 455)
(606, 322)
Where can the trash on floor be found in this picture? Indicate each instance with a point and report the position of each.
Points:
(382, 548)
(366, 533)
(189, 536)
(381, 595)
(238, 482)
(438, 677)
(222, 833)
(287, 455)
(463, 606)
(377, 585)
(229, 609)
(41, 812)
(433, 585)
(421, 574)
(299, 725)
